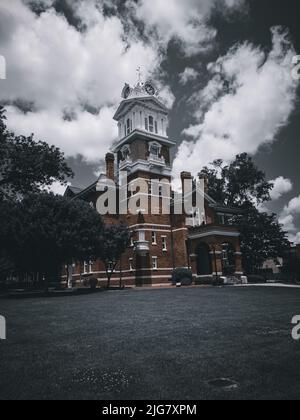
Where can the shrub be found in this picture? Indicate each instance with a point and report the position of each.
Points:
(229, 270)
(204, 281)
(255, 279)
(183, 276)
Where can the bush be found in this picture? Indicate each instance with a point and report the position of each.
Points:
(204, 281)
(183, 276)
(229, 270)
(255, 279)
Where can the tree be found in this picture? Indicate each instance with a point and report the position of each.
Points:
(262, 238)
(51, 231)
(115, 239)
(241, 184)
(26, 166)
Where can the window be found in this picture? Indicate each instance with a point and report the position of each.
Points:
(128, 126)
(131, 264)
(87, 267)
(131, 241)
(110, 267)
(151, 124)
(154, 150)
(125, 152)
(164, 244)
(154, 238)
(154, 263)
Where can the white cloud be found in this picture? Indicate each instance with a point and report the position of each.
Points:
(188, 75)
(58, 188)
(250, 97)
(293, 206)
(88, 135)
(281, 187)
(287, 219)
(57, 69)
(183, 21)
(294, 239)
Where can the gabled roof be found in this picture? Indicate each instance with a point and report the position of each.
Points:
(72, 191)
(149, 101)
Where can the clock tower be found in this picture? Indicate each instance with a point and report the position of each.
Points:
(143, 147)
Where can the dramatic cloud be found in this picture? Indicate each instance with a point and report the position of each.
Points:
(249, 98)
(183, 21)
(293, 206)
(188, 75)
(281, 186)
(67, 81)
(64, 79)
(288, 219)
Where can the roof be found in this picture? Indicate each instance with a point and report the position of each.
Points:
(125, 105)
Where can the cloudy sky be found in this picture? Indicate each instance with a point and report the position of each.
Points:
(224, 68)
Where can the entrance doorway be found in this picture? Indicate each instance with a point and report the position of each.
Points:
(204, 263)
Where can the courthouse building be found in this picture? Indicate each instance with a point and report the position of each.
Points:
(160, 242)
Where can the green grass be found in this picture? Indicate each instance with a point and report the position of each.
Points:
(152, 344)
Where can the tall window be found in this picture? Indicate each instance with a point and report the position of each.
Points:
(128, 126)
(87, 267)
(154, 263)
(164, 244)
(154, 238)
(151, 124)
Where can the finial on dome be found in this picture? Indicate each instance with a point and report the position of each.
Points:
(140, 74)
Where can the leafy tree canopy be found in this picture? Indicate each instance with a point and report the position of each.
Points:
(241, 184)
(50, 230)
(26, 165)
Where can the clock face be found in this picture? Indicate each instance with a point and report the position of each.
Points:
(149, 89)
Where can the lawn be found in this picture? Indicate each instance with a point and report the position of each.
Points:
(152, 344)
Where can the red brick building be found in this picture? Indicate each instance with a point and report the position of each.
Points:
(161, 242)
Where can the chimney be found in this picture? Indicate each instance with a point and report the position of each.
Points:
(204, 178)
(184, 177)
(110, 166)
